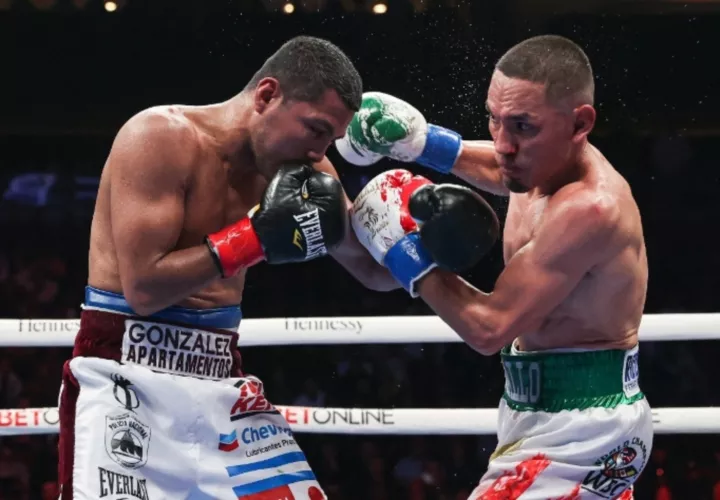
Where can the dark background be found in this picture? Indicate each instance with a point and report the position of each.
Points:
(69, 78)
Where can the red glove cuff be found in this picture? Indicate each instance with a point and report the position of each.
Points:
(235, 247)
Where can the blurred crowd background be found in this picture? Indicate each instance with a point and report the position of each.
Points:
(74, 71)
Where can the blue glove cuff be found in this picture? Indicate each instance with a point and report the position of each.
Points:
(408, 261)
(442, 148)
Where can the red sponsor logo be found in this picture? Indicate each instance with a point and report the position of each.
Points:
(228, 447)
(281, 493)
(251, 400)
(511, 484)
(20, 418)
(301, 415)
(314, 493)
(285, 493)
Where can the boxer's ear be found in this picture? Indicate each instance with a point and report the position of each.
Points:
(584, 121)
(267, 90)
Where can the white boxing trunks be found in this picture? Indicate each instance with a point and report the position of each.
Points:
(156, 408)
(573, 424)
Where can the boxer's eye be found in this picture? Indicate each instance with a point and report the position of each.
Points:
(523, 127)
(315, 132)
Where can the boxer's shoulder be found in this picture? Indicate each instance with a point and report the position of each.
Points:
(162, 134)
(158, 140)
(166, 120)
(579, 201)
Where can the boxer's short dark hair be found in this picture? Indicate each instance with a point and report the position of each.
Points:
(555, 61)
(307, 66)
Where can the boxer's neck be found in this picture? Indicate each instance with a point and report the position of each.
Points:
(575, 169)
(226, 125)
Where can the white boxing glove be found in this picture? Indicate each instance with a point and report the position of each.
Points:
(386, 126)
(382, 222)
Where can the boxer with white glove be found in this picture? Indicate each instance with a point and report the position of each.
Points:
(410, 225)
(565, 312)
(388, 126)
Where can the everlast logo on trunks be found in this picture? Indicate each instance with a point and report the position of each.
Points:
(617, 470)
(116, 486)
(309, 223)
(127, 440)
(251, 400)
(177, 350)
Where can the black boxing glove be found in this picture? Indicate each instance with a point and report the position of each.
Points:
(457, 226)
(302, 216)
(411, 226)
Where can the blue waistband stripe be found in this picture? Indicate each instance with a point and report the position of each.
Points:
(222, 317)
(273, 482)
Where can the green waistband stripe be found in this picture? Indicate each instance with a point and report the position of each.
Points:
(556, 381)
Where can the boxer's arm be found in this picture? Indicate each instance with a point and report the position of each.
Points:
(149, 166)
(574, 238)
(477, 166)
(353, 256)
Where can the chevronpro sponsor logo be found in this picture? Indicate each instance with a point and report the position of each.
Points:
(617, 469)
(116, 486)
(286, 441)
(324, 324)
(127, 440)
(177, 350)
(228, 442)
(336, 416)
(258, 433)
(252, 435)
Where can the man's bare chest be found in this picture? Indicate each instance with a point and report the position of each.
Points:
(211, 203)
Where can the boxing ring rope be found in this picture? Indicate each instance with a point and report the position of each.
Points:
(350, 330)
(367, 330)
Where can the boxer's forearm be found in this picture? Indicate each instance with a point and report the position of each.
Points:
(169, 280)
(477, 166)
(375, 277)
(464, 308)
(368, 272)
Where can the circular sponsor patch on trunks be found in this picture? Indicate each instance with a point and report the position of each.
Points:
(127, 440)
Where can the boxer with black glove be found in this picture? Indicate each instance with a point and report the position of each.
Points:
(302, 215)
(412, 226)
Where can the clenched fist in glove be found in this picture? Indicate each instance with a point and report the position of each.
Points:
(302, 216)
(388, 126)
(410, 225)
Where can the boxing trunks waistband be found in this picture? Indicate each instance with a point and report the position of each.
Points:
(556, 380)
(200, 343)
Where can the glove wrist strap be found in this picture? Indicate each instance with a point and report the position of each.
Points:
(442, 149)
(235, 247)
(408, 261)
